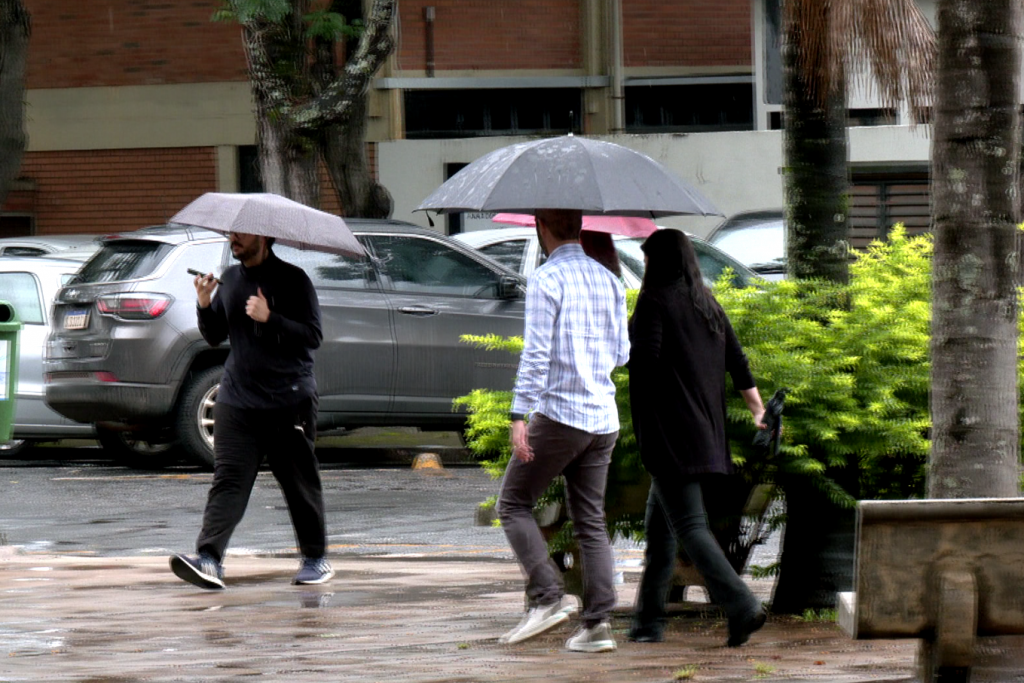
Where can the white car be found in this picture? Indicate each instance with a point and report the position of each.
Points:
(30, 283)
(75, 247)
(518, 250)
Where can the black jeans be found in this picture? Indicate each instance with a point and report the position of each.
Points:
(242, 438)
(680, 517)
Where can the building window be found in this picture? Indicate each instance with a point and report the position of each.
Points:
(249, 177)
(871, 117)
(880, 200)
(14, 225)
(510, 111)
(690, 108)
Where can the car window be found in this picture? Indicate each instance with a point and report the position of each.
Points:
(712, 263)
(123, 260)
(753, 244)
(509, 253)
(425, 266)
(330, 270)
(631, 256)
(24, 251)
(21, 290)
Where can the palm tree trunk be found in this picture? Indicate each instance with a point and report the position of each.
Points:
(818, 544)
(14, 32)
(817, 555)
(975, 190)
(816, 154)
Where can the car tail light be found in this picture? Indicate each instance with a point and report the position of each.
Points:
(135, 306)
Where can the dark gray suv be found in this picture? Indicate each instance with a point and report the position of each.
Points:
(126, 353)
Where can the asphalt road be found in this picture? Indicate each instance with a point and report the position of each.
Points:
(89, 506)
(77, 501)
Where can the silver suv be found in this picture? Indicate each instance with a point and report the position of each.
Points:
(126, 353)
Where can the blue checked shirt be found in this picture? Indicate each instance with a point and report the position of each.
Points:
(575, 336)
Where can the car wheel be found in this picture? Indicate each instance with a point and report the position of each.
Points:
(195, 415)
(14, 448)
(138, 453)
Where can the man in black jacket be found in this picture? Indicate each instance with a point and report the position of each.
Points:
(266, 405)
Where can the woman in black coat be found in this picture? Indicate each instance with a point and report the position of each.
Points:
(682, 346)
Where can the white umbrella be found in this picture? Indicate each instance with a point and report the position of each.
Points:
(271, 215)
(569, 172)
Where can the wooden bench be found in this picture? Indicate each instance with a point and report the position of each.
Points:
(943, 571)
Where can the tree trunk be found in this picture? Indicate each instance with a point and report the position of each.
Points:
(815, 157)
(14, 32)
(817, 554)
(817, 546)
(344, 154)
(279, 74)
(976, 206)
(288, 161)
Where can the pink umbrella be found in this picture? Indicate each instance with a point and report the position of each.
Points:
(629, 226)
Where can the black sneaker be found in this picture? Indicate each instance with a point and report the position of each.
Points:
(202, 571)
(313, 571)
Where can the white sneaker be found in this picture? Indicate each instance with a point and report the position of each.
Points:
(596, 639)
(569, 605)
(537, 620)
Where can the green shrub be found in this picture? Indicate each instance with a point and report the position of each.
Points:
(855, 360)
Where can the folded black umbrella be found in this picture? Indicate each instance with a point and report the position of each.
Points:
(769, 438)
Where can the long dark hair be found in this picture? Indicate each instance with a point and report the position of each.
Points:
(671, 259)
(601, 247)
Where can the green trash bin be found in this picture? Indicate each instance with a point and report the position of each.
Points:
(10, 326)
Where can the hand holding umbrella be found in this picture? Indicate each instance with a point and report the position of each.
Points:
(770, 436)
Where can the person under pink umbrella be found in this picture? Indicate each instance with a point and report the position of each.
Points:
(596, 234)
(630, 226)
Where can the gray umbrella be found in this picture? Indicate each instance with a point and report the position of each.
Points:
(568, 172)
(271, 215)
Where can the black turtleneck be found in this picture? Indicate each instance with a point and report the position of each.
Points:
(271, 363)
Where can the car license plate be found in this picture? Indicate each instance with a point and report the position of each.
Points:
(76, 320)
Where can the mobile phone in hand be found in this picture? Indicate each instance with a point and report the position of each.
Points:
(193, 271)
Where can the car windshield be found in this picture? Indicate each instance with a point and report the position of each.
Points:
(755, 244)
(123, 260)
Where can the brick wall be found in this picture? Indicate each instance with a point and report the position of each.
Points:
(131, 42)
(690, 33)
(111, 190)
(492, 34)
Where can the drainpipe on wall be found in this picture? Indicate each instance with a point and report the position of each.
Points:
(618, 95)
(428, 17)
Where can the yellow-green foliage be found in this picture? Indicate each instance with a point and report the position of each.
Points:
(856, 361)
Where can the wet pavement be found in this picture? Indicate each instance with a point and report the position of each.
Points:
(113, 619)
(421, 595)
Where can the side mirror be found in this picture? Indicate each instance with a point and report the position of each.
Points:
(508, 287)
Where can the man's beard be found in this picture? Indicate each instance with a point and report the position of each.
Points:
(245, 254)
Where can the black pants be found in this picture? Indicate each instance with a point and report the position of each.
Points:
(675, 514)
(242, 438)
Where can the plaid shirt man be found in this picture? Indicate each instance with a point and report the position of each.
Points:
(575, 336)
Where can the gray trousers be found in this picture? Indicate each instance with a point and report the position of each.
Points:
(583, 459)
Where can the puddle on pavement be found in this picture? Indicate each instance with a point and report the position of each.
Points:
(21, 643)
